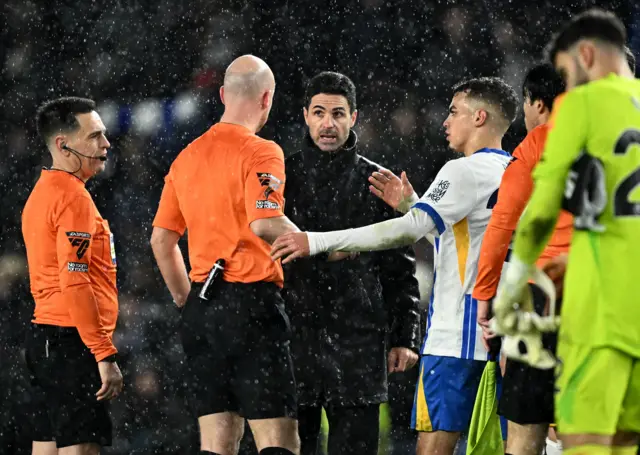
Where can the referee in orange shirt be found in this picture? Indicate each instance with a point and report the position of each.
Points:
(226, 189)
(527, 392)
(72, 271)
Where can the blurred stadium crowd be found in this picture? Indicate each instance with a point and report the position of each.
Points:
(154, 68)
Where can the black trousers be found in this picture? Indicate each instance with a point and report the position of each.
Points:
(402, 387)
(352, 430)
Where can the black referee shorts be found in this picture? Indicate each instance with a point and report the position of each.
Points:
(64, 379)
(237, 349)
(527, 392)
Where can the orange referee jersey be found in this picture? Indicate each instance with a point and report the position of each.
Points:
(515, 190)
(72, 264)
(217, 186)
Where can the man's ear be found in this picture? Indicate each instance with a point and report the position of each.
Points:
(480, 117)
(354, 117)
(586, 54)
(540, 106)
(222, 94)
(265, 99)
(60, 142)
(305, 112)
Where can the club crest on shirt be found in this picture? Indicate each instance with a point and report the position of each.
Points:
(80, 241)
(271, 182)
(438, 190)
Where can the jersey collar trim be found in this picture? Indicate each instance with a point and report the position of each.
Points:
(55, 172)
(496, 151)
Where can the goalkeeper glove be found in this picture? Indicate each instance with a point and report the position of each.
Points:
(516, 319)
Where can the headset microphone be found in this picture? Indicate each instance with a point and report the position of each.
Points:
(101, 158)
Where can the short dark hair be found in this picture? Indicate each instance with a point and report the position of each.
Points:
(332, 84)
(493, 91)
(631, 59)
(59, 115)
(543, 83)
(595, 24)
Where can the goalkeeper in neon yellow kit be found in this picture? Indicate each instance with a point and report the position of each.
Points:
(591, 166)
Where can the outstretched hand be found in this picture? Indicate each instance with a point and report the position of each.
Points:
(390, 188)
(291, 246)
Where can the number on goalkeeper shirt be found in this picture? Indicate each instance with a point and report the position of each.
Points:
(622, 206)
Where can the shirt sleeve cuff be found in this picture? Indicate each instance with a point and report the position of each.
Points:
(406, 204)
(315, 243)
(169, 226)
(104, 355)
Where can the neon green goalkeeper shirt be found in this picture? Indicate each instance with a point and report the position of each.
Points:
(601, 302)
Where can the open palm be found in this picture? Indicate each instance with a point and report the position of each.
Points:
(390, 188)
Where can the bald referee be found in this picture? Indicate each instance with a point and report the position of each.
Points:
(226, 188)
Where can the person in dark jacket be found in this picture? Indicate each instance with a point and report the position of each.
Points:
(356, 320)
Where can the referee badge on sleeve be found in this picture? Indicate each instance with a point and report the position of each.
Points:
(271, 184)
(80, 241)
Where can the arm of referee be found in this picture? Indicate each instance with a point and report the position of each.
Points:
(164, 243)
(76, 227)
(264, 194)
(515, 190)
(569, 125)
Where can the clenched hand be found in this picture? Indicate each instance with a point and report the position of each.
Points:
(484, 322)
(401, 359)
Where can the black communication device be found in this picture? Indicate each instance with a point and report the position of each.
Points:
(214, 276)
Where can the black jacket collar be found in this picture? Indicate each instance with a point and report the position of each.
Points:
(342, 157)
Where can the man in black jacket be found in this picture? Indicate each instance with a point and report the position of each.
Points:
(354, 321)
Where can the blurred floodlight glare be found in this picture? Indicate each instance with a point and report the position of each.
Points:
(108, 111)
(146, 118)
(185, 107)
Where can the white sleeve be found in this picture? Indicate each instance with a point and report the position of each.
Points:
(386, 235)
(451, 196)
(406, 205)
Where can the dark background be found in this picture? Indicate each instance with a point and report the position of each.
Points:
(155, 67)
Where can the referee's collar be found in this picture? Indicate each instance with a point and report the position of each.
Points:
(53, 172)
